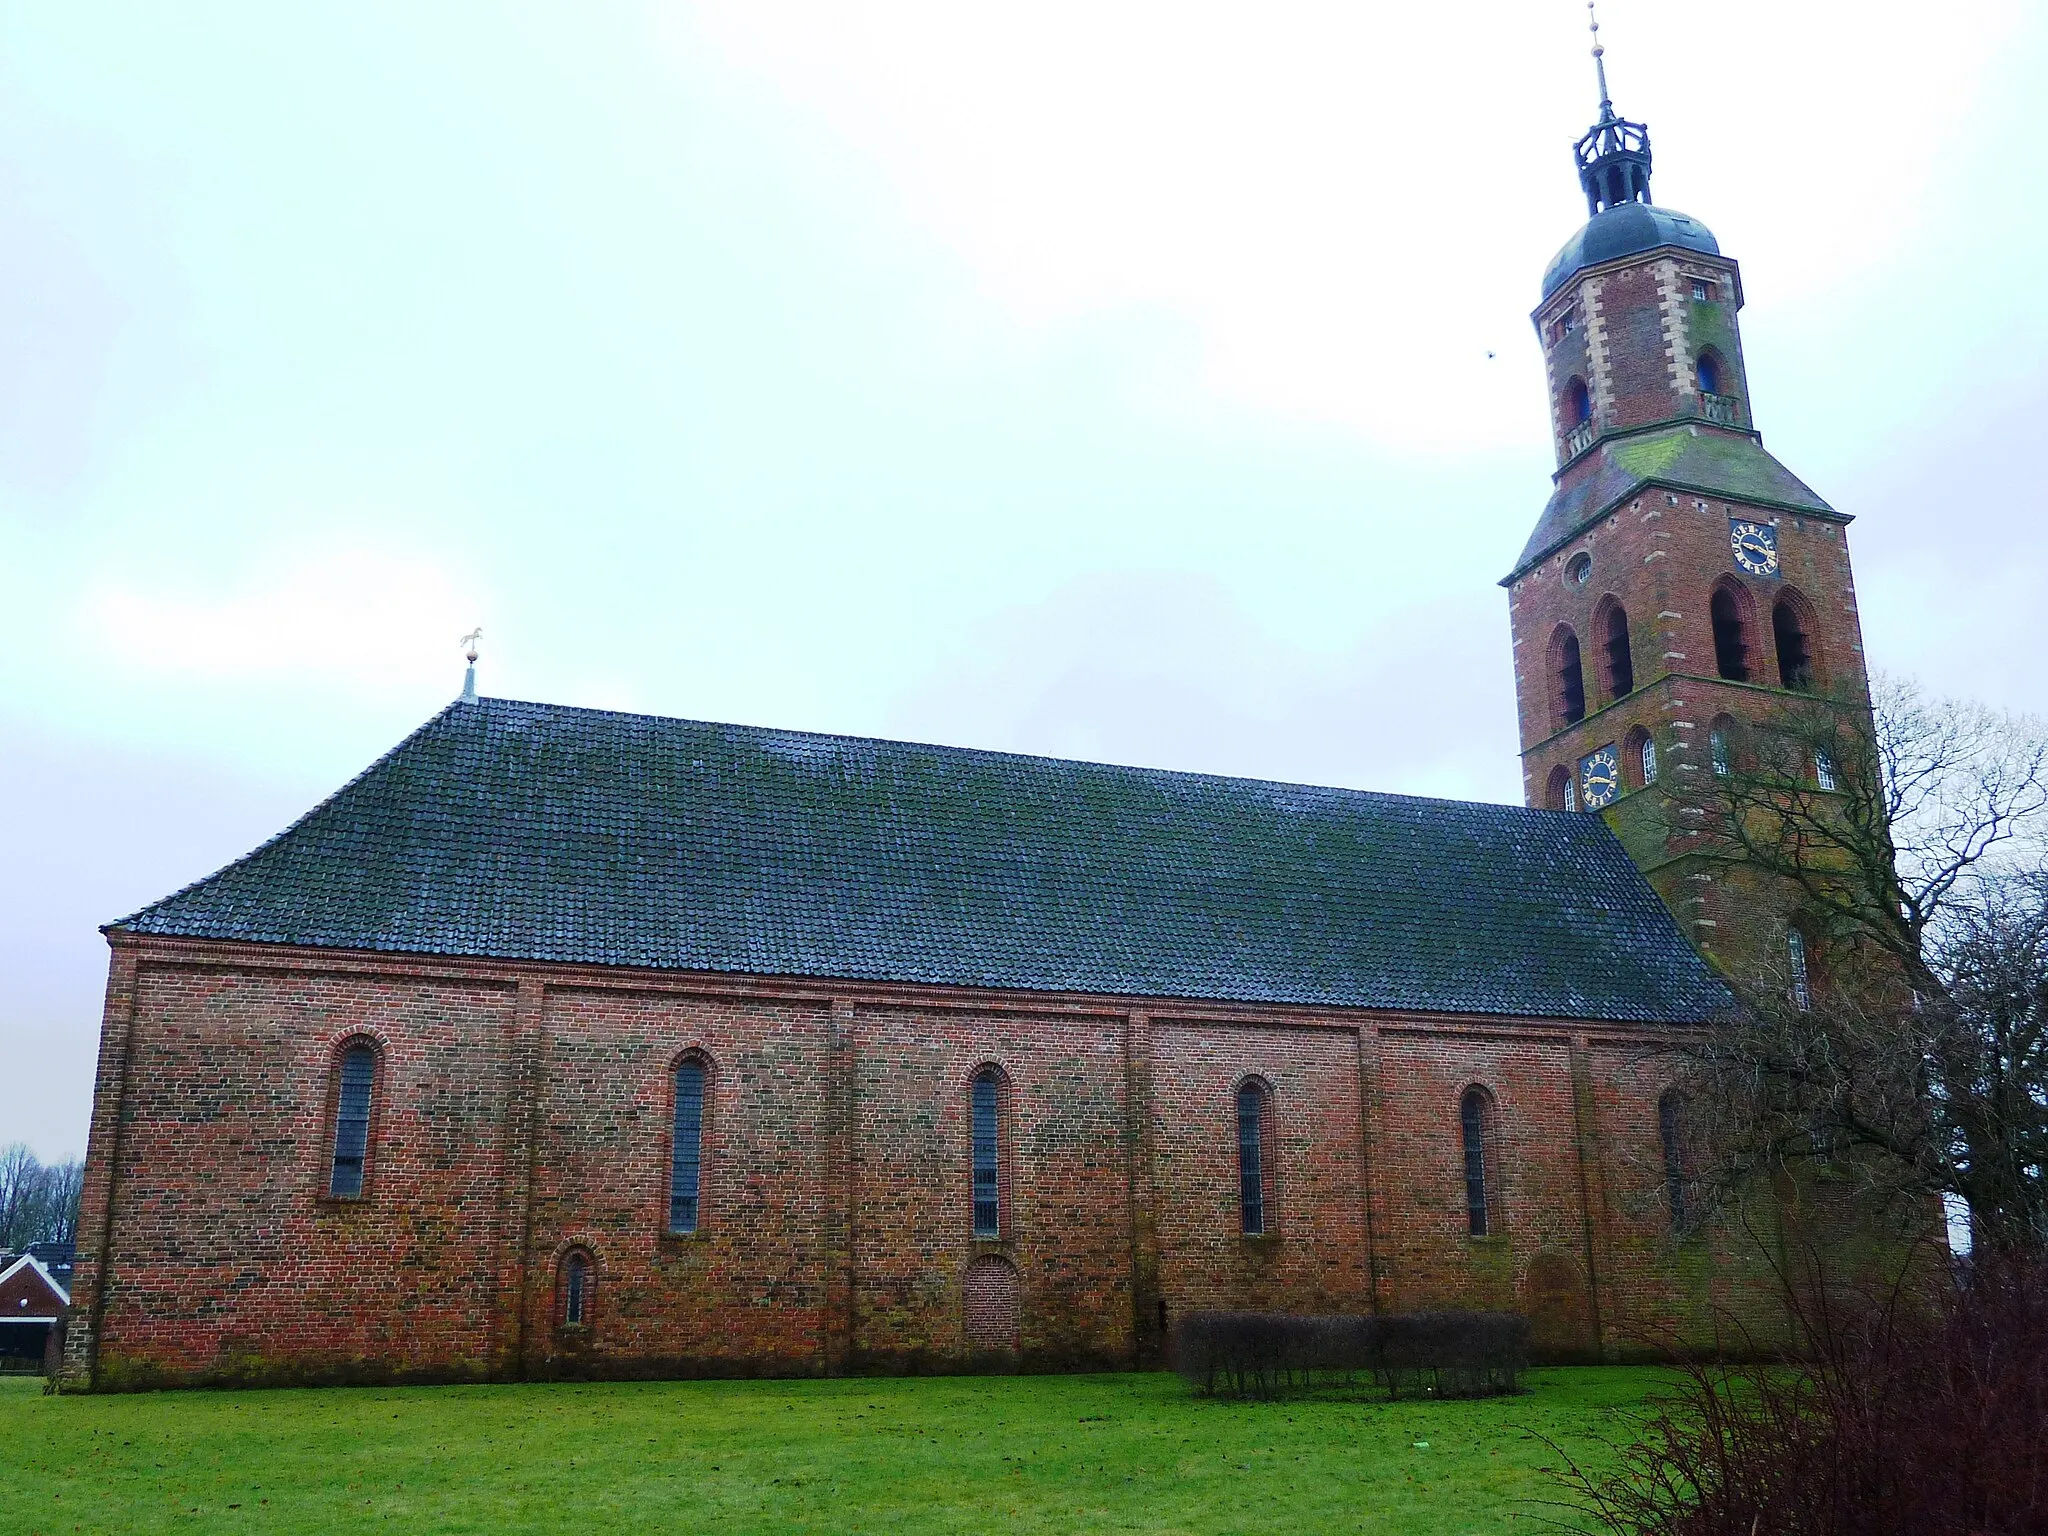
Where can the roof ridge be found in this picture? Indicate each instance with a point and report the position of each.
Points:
(277, 837)
(1025, 757)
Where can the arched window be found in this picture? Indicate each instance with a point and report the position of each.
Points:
(356, 1079)
(686, 1160)
(1255, 1157)
(1795, 958)
(1708, 368)
(1475, 1122)
(1639, 757)
(986, 1106)
(1795, 651)
(1671, 1127)
(1560, 797)
(1571, 678)
(1578, 403)
(1729, 611)
(576, 1288)
(1721, 746)
(1619, 667)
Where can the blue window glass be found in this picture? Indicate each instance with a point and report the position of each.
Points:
(687, 1167)
(1710, 374)
(352, 1122)
(1251, 1158)
(988, 1194)
(1472, 1121)
(575, 1285)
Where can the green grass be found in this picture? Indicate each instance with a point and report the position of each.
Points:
(1032, 1453)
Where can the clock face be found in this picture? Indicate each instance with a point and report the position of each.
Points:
(1600, 777)
(1755, 546)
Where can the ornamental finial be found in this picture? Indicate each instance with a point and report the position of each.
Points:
(469, 643)
(1599, 60)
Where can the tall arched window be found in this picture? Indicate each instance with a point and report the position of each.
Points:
(686, 1163)
(1671, 1127)
(357, 1077)
(1709, 370)
(1721, 746)
(1560, 796)
(1578, 403)
(1571, 677)
(986, 1104)
(1731, 643)
(1795, 651)
(1640, 753)
(576, 1287)
(1619, 669)
(1475, 1115)
(1255, 1157)
(1795, 959)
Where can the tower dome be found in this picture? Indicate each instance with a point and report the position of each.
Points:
(1626, 229)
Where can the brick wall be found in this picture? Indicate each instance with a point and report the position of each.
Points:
(524, 1112)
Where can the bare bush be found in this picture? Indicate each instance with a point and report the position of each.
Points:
(1416, 1354)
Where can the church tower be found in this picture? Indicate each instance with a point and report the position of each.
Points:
(1681, 585)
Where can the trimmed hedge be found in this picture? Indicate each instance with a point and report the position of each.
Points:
(1414, 1354)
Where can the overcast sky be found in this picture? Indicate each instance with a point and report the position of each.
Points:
(1143, 382)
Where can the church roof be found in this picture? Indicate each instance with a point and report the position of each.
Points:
(535, 832)
(1626, 229)
(1729, 465)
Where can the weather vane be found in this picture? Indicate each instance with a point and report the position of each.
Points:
(468, 643)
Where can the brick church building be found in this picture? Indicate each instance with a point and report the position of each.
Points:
(566, 1041)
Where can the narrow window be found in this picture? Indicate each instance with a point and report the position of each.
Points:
(1560, 789)
(1709, 374)
(1571, 793)
(1648, 756)
(1671, 1126)
(1571, 680)
(1823, 770)
(1795, 954)
(1717, 747)
(1795, 657)
(1578, 403)
(988, 1187)
(352, 1122)
(575, 1289)
(1731, 650)
(686, 1167)
(1621, 666)
(1472, 1124)
(1254, 1157)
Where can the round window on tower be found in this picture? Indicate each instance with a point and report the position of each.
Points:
(1579, 571)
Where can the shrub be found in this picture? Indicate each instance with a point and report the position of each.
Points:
(1909, 1417)
(1434, 1354)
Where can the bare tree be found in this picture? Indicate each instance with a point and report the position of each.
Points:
(1898, 1029)
(20, 1185)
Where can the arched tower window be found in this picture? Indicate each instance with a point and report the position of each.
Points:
(1708, 369)
(1721, 746)
(1578, 403)
(1475, 1127)
(686, 1165)
(1570, 676)
(1618, 667)
(355, 1080)
(1671, 1128)
(1790, 629)
(576, 1289)
(1729, 610)
(1255, 1157)
(985, 1103)
(1559, 796)
(1639, 757)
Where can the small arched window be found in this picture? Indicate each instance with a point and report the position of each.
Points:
(1571, 677)
(1475, 1123)
(1795, 960)
(1578, 403)
(1721, 746)
(1620, 667)
(986, 1107)
(1671, 1127)
(686, 1164)
(1795, 650)
(1708, 368)
(1559, 796)
(1639, 755)
(577, 1287)
(1731, 643)
(356, 1080)
(1255, 1157)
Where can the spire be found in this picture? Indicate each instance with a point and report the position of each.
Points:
(468, 643)
(1614, 154)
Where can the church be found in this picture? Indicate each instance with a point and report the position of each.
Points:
(567, 1042)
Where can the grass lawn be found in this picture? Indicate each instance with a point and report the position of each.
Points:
(1030, 1453)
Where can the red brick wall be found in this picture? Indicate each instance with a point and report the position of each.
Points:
(523, 1111)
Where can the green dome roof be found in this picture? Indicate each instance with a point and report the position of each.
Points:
(1624, 230)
